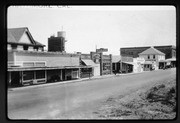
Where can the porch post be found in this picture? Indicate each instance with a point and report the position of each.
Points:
(21, 77)
(110, 63)
(121, 66)
(61, 74)
(101, 64)
(9, 80)
(79, 73)
(34, 75)
(45, 75)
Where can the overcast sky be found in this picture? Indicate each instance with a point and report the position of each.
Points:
(109, 27)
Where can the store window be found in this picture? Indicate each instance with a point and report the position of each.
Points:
(40, 74)
(14, 47)
(28, 75)
(104, 66)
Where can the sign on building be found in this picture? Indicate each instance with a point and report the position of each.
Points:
(126, 59)
(101, 50)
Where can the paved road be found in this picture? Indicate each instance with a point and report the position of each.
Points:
(76, 100)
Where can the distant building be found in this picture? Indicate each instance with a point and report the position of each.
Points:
(57, 44)
(122, 64)
(103, 63)
(152, 57)
(116, 63)
(21, 39)
(169, 51)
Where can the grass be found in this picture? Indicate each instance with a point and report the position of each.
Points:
(156, 102)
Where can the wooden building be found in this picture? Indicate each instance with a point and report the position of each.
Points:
(168, 50)
(29, 64)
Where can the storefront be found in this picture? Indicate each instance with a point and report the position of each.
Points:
(162, 64)
(172, 62)
(127, 67)
(148, 66)
(30, 76)
(26, 76)
(87, 68)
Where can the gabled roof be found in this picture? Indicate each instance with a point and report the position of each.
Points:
(151, 51)
(15, 34)
(116, 58)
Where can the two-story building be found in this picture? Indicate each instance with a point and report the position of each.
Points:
(29, 64)
(152, 57)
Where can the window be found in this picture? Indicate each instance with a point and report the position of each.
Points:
(28, 75)
(153, 56)
(104, 66)
(14, 47)
(148, 56)
(40, 74)
(25, 47)
(36, 48)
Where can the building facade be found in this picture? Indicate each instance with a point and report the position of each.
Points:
(169, 51)
(152, 58)
(138, 64)
(27, 67)
(29, 64)
(122, 64)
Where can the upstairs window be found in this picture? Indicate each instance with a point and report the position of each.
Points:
(148, 57)
(25, 47)
(153, 56)
(14, 47)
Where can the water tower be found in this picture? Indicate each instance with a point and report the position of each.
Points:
(57, 44)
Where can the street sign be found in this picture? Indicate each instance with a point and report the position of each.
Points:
(101, 50)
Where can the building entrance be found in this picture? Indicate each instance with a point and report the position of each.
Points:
(15, 79)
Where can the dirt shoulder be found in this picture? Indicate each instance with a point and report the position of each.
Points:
(155, 101)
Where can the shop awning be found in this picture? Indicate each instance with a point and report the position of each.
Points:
(162, 61)
(89, 62)
(148, 62)
(171, 59)
(131, 63)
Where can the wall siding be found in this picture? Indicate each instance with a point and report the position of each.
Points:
(52, 60)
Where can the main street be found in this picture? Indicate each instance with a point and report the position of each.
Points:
(76, 100)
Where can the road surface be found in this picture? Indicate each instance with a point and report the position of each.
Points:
(76, 100)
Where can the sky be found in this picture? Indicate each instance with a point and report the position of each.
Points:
(91, 27)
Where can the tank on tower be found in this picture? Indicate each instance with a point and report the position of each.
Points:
(57, 44)
(61, 34)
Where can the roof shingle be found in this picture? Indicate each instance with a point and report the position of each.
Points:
(151, 51)
(15, 34)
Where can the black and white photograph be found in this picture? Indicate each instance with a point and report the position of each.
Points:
(114, 62)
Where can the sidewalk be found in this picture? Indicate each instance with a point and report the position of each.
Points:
(72, 81)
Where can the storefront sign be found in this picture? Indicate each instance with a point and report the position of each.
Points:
(101, 50)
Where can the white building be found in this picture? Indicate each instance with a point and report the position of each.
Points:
(138, 64)
(152, 57)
